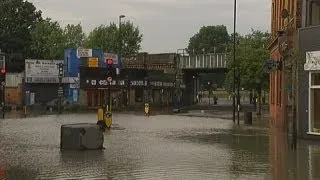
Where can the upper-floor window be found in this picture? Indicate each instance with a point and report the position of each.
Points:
(314, 12)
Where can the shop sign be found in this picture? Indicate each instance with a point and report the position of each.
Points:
(312, 61)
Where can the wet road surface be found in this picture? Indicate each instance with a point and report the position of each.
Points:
(156, 147)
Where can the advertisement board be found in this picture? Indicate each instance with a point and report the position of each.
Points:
(41, 71)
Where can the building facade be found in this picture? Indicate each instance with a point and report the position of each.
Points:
(285, 21)
(41, 81)
(308, 71)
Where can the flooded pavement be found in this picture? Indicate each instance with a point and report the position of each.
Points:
(155, 147)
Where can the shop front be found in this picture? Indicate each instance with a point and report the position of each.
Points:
(312, 66)
(309, 83)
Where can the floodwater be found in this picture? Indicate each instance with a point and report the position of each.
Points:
(156, 147)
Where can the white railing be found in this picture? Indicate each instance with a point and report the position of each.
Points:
(210, 61)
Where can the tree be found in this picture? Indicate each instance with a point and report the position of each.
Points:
(209, 39)
(74, 36)
(251, 52)
(17, 19)
(48, 41)
(131, 39)
(110, 39)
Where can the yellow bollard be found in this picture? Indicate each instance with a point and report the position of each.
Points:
(100, 118)
(100, 114)
(146, 108)
(108, 119)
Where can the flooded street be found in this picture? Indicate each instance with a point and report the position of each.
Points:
(156, 147)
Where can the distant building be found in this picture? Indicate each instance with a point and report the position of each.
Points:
(40, 81)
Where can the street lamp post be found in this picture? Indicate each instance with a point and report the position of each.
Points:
(120, 53)
(234, 60)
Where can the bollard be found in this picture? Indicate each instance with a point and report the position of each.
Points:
(100, 118)
(248, 118)
(147, 108)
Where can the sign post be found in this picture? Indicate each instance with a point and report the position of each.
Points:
(60, 90)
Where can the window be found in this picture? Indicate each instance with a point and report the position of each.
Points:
(314, 103)
(314, 13)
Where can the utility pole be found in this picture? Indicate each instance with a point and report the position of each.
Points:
(238, 96)
(120, 55)
(60, 89)
(234, 60)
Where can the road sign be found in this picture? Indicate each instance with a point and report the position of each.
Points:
(113, 57)
(93, 62)
(109, 79)
(60, 92)
(84, 52)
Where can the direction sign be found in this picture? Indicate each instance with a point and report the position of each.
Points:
(109, 79)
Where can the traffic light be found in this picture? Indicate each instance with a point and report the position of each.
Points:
(3, 75)
(60, 68)
(111, 71)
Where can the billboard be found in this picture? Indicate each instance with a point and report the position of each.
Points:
(42, 71)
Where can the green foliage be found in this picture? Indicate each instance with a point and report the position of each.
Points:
(17, 19)
(109, 38)
(48, 41)
(251, 52)
(210, 39)
(74, 36)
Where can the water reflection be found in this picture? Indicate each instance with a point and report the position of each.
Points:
(158, 147)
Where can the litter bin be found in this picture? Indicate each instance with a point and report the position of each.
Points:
(248, 118)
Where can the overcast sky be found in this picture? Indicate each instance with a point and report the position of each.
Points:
(166, 25)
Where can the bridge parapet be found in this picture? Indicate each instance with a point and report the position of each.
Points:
(150, 61)
(206, 61)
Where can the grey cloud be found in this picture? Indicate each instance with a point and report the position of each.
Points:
(166, 24)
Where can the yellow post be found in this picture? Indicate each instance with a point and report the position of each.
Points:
(108, 119)
(100, 117)
(146, 108)
(100, 114)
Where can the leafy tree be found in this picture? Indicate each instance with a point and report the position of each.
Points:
(103, 37)
(48, 41)
(131, 39)
(17, 19)
(110, 39)
(251, 52)
(74, 36)
(209, 39)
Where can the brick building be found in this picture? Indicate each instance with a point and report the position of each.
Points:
(285, 21)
